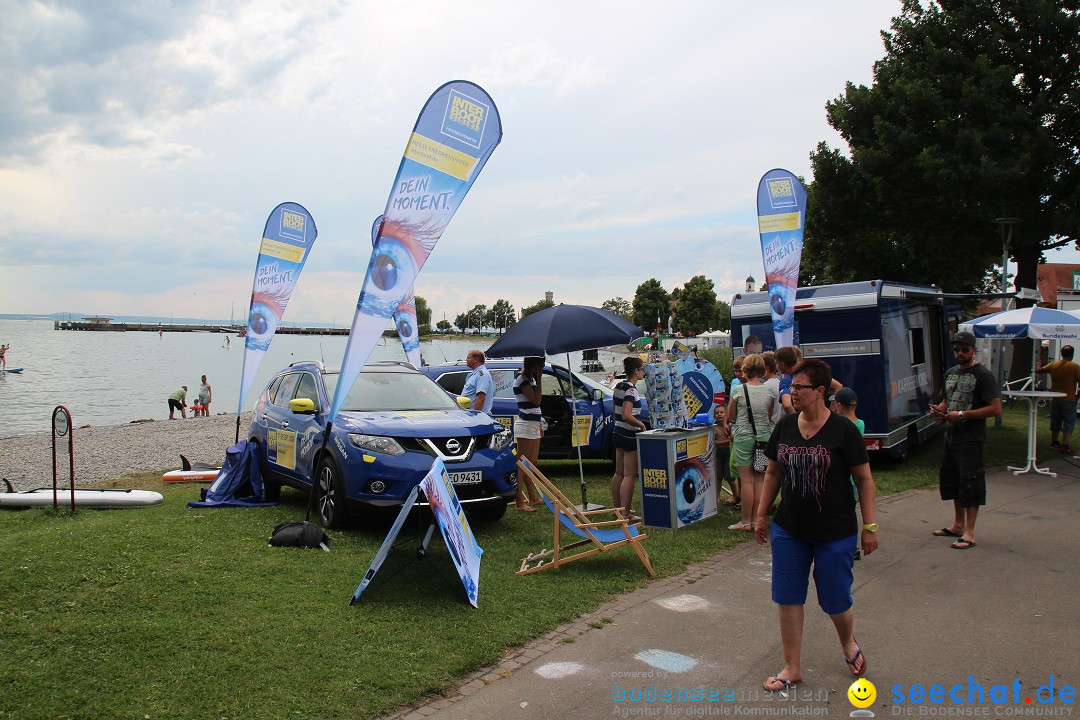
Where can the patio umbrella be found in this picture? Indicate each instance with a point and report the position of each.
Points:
(565, 329)
(1034, 322)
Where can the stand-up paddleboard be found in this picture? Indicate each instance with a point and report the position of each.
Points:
(83, 498)
(13, 370)
(194, 475)
(192, 472)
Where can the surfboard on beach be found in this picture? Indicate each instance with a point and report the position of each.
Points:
(83, 498)
(195, 475)
(13, 370)
(192, 472)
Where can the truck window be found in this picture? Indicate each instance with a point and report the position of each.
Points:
(917, 344)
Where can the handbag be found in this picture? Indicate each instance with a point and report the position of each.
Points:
(761, 461)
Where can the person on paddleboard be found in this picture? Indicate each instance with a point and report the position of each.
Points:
(3, 351)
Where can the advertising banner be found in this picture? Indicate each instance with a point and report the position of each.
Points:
(781, 206)
(454, 527)
(405, 316)
(455, 134)
(286, 242)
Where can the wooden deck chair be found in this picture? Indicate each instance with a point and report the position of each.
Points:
(598, 535)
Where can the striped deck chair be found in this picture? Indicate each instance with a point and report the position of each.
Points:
(596, 535)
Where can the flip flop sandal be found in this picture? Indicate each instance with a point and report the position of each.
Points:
(963, 544)
(946, 532)
(779, 684)
(526, 509)
(857, 665)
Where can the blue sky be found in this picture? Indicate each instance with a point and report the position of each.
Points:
(142, 144)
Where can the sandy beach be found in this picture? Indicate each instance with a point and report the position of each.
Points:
(111, 451)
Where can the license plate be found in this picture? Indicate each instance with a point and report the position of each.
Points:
(466, 478)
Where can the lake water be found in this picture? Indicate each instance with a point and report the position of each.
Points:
(106, 378)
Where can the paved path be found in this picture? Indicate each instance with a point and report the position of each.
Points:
(1006, 610)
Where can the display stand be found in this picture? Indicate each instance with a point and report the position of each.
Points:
(676, 476)
(1036, 399)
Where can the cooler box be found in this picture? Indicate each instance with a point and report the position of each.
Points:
(676, 476)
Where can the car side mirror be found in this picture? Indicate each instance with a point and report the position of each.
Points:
(597, 394)
(302, 406)
(464, 403)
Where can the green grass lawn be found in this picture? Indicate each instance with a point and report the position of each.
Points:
(172, 612)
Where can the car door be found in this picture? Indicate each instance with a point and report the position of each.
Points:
(592, 420)
(280, 434)
(309, 427)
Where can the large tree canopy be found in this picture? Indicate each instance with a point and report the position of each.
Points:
(974, 114)
(650, 302)
(696, 311)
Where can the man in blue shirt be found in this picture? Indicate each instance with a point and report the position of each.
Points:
(479, 387)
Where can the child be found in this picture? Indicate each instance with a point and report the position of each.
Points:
(722, 444)
(846, 400)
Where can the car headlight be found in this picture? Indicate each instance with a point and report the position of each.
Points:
(377, 443)
(502, 439)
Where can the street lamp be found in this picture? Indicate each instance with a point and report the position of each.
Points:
(1005, 229)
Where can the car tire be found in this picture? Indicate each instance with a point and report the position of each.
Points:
(490, 511)
(329, 489)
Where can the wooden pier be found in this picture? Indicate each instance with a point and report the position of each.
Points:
(97, 326)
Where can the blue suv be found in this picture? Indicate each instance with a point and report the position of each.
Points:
(559, 388)
(391, 426)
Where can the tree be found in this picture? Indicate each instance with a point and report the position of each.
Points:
(476, 316)
(650, 302)
(696, 311)
(618, 306)
(461, 321)
(723, 315)
(501, 315)
(443, 325)
(537, 307)
(423, 312)
(973, 115)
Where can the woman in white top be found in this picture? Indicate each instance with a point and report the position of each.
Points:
(762, 403)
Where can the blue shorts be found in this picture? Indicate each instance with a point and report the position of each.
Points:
(832, 559)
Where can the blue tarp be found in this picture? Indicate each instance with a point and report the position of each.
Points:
(239, 482)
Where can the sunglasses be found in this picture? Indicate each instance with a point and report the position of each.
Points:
(800, 386)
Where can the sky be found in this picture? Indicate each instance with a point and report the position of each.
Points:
(143, 144)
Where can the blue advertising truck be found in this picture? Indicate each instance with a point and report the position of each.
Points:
(887, 341)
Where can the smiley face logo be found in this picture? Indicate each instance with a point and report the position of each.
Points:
(862, 693)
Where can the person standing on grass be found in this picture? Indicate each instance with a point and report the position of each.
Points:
(479, 386)
(971, 396)
(1064, 377)
(627, 409)
(527, 428)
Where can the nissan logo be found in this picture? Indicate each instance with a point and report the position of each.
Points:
(453, 446)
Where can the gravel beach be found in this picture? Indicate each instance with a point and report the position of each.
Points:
(107, 452)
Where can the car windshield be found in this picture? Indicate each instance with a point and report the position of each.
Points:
(374, 391)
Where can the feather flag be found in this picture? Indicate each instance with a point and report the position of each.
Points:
(455, 134)
(781, 206)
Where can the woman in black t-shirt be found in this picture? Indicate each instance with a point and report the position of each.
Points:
(813, 455)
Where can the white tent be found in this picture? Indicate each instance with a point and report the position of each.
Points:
(714, 340)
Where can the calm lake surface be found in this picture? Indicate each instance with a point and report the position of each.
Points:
(107, 378)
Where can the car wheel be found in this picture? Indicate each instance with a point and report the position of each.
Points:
(329, 492)
(490, 512)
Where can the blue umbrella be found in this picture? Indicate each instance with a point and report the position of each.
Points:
(565, 329)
